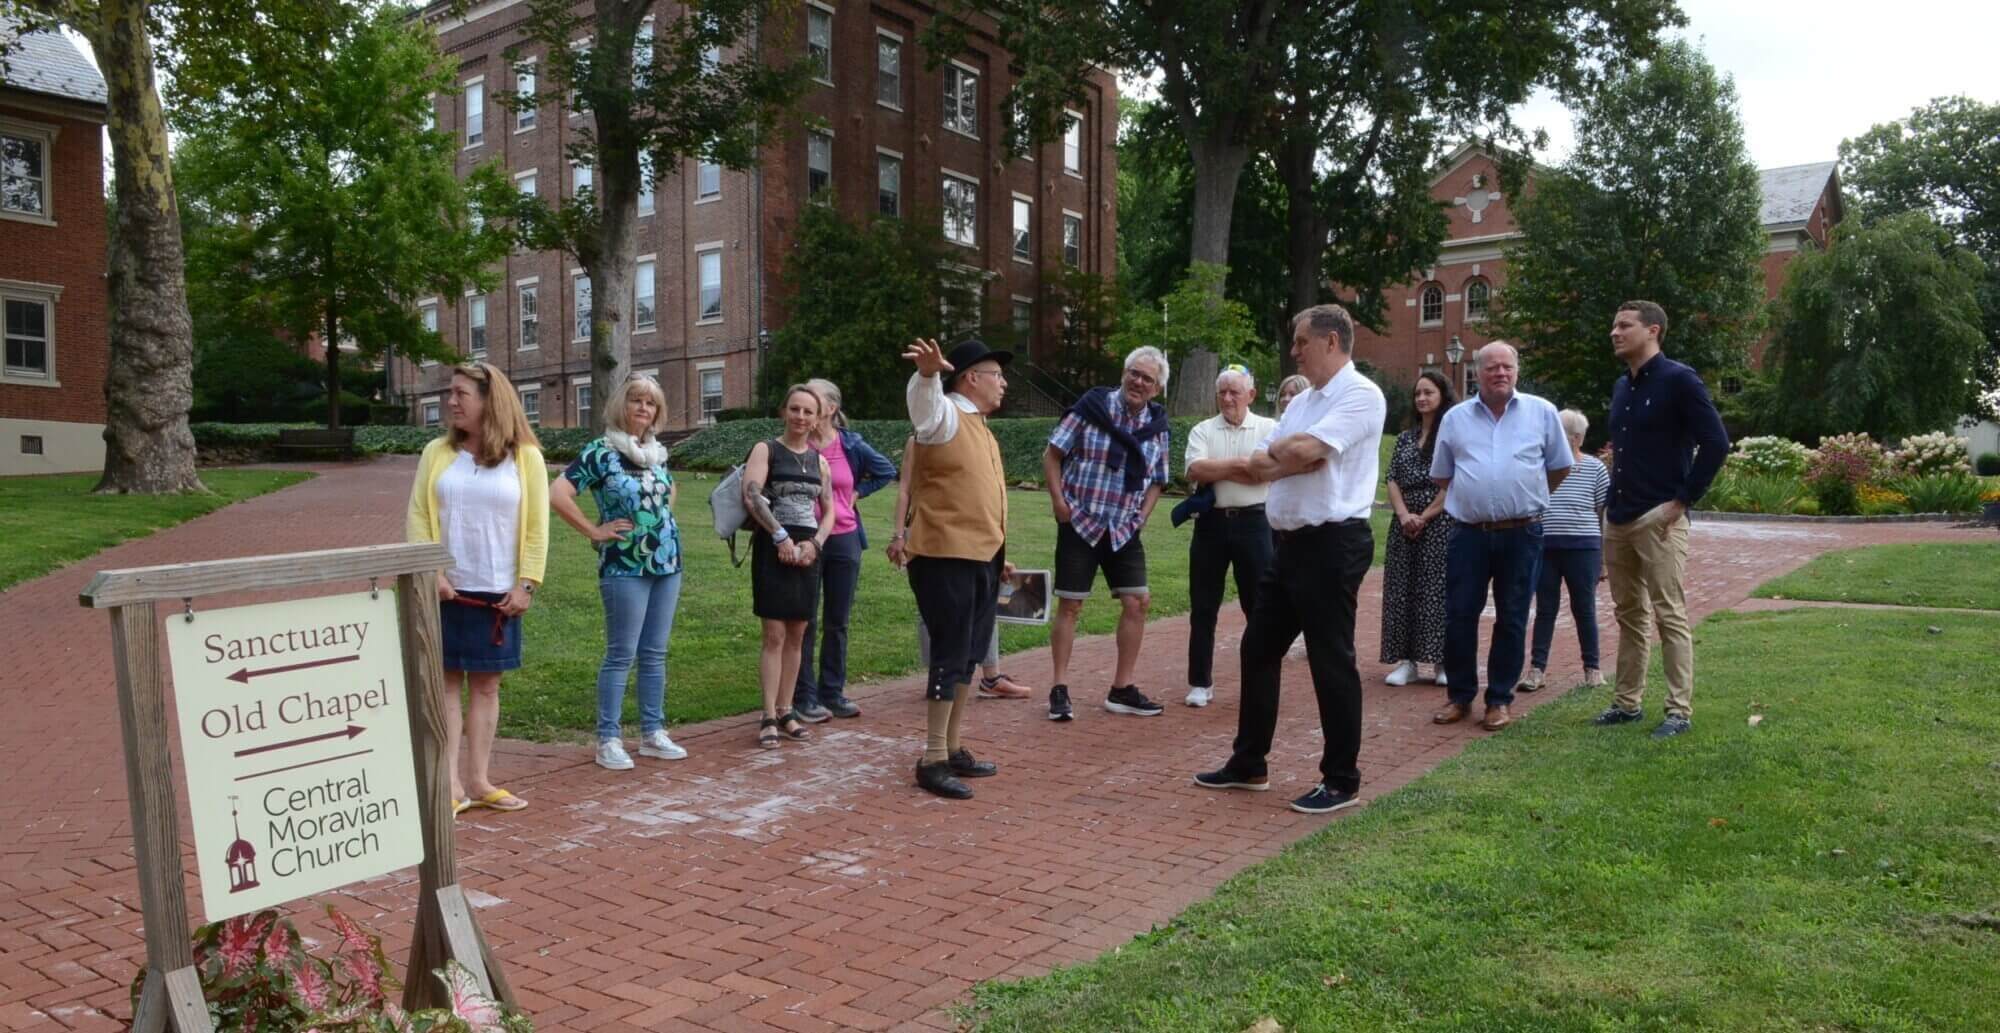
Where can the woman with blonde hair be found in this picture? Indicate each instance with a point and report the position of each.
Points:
(638, 563)
(482, 491)
(791, 514)
(1289, 389)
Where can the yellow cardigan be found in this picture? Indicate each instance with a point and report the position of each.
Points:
(531, 549)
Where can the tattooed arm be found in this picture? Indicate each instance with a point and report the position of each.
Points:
(755, 471)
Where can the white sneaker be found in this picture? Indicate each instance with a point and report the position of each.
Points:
(1404, 674)
(1440, 676)
(1200, 696)
(1534, 681)
(611, 755)
(656, 744)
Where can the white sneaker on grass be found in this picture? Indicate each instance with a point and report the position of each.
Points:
(1200, 696)
(1404, 674)
(611, 755)
(656, 744)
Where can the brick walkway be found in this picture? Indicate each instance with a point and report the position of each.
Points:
(809, 888)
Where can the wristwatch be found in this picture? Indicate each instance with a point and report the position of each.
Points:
(528, 587)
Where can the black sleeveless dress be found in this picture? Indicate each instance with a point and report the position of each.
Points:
(780, 592)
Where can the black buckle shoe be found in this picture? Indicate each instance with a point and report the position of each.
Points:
(965, 765)
(937, 778)
(841, 706)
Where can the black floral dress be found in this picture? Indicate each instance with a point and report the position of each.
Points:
(1413, 571)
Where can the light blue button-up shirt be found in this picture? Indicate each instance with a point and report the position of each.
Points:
(1498, 468)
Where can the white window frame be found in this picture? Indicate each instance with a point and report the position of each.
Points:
(648, 190)
(701, 164)
(576, 279)
(1067, 216)
(1423, 318)
(475, 344)
(819, 134)
(470, 109)
(713, 247)
(944, 176)
(532, 412)
(430, 411)
(885, 154)
(578, 387)
(1072, 149)
(885, 36)
(580, 43)
(45, 136)
(523, 289)
(1014, 241)
(954, 115)
(1481, 283)
(652, 265)
(427, 317)
(1014, 309)
(582, 176)
(528, 116)
(48, 296)
(702, 414)
(645, 50)
(827, 78)
(533, 179)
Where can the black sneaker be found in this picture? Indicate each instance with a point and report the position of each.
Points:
(937, 778)
(1059, 709)
(1128, 699)
(1675, 724)
(965, 765)
(1224, 778)
(809, 711)
(1324, 801)
(841, 706)
(1617, 715)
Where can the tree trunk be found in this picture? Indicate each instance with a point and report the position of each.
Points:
(149, 386)
(1305, 232)
(1218, 166)
(610, 310)
(332, 361)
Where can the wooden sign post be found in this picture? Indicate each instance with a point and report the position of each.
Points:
(235, 732)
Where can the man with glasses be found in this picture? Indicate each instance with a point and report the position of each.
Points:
(1105, 467)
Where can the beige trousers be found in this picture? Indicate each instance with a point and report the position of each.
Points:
(1647, 563)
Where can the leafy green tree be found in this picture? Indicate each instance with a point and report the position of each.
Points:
(1194, 316)
(327, 203)
(1879, 333)
(857, 292)
(1942, 160)
(1659, 200)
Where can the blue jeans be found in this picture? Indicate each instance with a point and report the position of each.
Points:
(839, 575)
(1509, 561)
(1578, 569)
(638, 618)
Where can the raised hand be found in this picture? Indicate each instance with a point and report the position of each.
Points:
(928, 356)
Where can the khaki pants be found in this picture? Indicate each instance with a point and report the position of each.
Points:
(1647, 562)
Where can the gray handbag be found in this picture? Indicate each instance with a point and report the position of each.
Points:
(725, 504)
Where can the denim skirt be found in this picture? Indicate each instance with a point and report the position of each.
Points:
(478, 638)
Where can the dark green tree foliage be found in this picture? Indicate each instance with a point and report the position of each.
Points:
(321, 204)
(1659, 200)
(859, 293)
(1944, 159)
(1879, 333)
(1195, 315)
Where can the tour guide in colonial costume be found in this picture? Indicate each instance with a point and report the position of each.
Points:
(957, 539)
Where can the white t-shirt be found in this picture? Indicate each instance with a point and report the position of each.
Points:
(479, 517)
(1215, 438)
(1347, 414)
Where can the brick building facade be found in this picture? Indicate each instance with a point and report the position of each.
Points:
(1450, 300)
(53, 245)
(714, 242)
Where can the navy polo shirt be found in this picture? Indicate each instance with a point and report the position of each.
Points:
(1667, 440)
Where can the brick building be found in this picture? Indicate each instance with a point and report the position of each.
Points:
(1450, 300)
(898, 138)
(53, 243)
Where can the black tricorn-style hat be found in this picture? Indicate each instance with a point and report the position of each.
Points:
(969, 352)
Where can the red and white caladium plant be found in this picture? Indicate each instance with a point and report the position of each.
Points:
(258, 977)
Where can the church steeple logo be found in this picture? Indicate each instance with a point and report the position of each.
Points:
(242, 857)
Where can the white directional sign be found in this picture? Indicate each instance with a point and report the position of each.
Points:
(295, 742)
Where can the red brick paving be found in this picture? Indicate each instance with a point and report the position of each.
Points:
(811, 888)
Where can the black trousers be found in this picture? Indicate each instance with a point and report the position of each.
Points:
(957, 600)
(1238, 538)
(1312, 586)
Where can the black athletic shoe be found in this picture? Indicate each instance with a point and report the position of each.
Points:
(937, 778)
(1617, 715)
(841, 706)
(1059, 709)
(965, 765)
(810, 711)
(1128, 699)
(1675, 724)
(1227, 779)
(1323, 801)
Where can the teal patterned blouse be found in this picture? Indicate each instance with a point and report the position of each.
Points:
(653, 547)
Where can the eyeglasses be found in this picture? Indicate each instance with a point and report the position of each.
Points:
(1143, 378)
(984, 373)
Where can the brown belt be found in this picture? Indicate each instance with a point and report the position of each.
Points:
(1506, 525)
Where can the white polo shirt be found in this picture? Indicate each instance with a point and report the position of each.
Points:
(1217, 438)
(1346, 413)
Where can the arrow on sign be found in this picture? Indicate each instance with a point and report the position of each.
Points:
(348, 733)
(244, 674)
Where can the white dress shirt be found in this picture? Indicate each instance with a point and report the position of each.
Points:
(1347, 414)
(1217, 438)
(933, 421)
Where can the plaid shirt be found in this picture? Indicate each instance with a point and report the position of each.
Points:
(1098, 501)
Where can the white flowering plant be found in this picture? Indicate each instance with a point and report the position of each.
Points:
(1923, 455)
(1770, 456)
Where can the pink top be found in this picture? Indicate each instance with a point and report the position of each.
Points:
(844, 520)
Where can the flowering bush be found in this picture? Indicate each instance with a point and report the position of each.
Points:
(1855, 458)
(257, 975)
(1877, 501)
(1926, 454)
(1771, 455)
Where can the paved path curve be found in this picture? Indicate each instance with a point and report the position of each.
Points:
(809, 888)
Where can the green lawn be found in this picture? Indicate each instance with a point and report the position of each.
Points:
(54, 520)
(1965, 576)
(712, 659)
(1836, 868)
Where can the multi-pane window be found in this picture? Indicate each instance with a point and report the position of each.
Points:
(475, 113)
(27, 325)
(531, 316)
(1024, 317)
(475, 324)
(819, 42)
(429, 314)
(711, 394)
(961, 99)
(643, 312)
(1073, 240)
(527, 182)
(524, 88)
(1430, 305)
(642, 54)
(961, 210)
(889, 184)
(531, 405)
(579, 60)
(583, 176)
(889, 71)
(583, 411)
(1024, 221)
(707, 180)
(24, 174)
(581, 289)
(708, 285)
(1478, 298)
(646, 197)
(433, 408)
(819, 163)
(1073, 144)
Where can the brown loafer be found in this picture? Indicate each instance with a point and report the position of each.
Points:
(1452, 714)
(1496, 719)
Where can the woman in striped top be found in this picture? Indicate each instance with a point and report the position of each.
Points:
(1572, 553)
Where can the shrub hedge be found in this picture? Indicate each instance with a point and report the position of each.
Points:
(1989, 464)
(558, 443)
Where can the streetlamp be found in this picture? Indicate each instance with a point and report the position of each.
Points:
(1454, 351)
